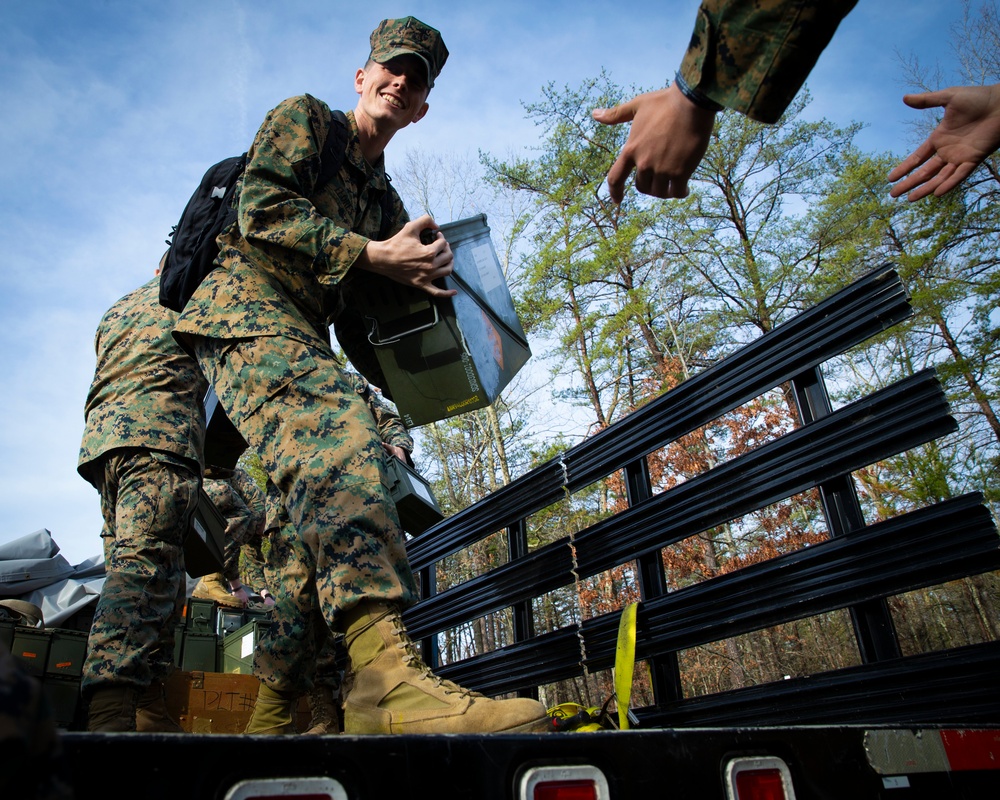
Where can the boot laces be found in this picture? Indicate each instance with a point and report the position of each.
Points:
(413, 660)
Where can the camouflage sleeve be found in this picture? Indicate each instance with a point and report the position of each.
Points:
(248, 490)
(754, 55)
(251, 557)
(252, 566)
(390, 427)
(272, 502)
(281, 174)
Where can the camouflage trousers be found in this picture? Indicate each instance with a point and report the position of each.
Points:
(243, 523)
(302, 625)
(318, 442)
(147, 500)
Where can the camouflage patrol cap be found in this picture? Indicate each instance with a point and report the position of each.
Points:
(396, 37)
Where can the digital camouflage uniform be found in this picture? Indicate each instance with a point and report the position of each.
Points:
(253, 566)
(287, 552)
(238, 498)
(259, 328)
(754, 55)
(141, 449)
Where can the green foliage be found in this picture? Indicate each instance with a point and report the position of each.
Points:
(250, 463)
(631, 300)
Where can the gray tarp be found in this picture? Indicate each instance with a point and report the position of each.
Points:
(31, 569)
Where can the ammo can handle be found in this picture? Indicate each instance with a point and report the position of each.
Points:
(374, 339)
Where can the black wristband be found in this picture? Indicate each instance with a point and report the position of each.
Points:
(696, 97)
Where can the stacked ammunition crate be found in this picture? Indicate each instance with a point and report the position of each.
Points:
(213, 638)
(55, 657)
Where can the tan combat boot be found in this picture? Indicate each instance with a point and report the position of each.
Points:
(272, 713)
(112, 709)
(151, 715)
(325, 715)
(216, 587)
(393, 691)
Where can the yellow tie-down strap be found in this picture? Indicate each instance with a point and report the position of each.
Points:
(576, 717)
(625, 663)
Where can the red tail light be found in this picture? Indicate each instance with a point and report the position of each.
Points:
(758, 779)
(563, 783)
(565, 790)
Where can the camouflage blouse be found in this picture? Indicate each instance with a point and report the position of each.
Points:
(286, 266)
(754, 55)
(147, 392)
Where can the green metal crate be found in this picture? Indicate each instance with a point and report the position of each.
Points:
(30, 646)
(447, 356)
(63, 695)
(7, 633)
(201, 615)
(238, 647)
(229, 620)
(200, 653)
(67, 651)
(257, 614)
(415, 502)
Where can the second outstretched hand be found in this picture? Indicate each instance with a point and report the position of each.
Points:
(407, 259)
(667, 141)
(967, 134)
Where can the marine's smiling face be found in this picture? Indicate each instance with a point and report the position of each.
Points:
(393, 93)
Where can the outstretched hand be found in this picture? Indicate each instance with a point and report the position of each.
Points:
(967, 134)
(667, 141)
(408, 260)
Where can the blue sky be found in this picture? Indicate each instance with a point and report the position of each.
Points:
(116, 107)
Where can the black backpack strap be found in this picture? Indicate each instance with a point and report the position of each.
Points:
(334, 148)
(387, 216)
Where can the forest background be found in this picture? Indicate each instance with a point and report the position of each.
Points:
(631, 300)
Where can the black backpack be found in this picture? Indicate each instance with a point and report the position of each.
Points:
(211, 210)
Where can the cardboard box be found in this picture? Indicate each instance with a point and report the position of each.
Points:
(204, 544)
(414, 499)
(206, 702)
(443, 357)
